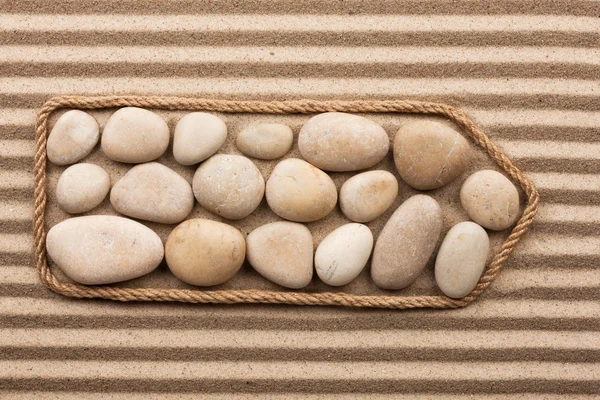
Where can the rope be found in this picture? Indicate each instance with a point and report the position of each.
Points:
(271, 107)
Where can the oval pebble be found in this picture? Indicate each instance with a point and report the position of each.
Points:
(366, 196)
(429, 154)
(343, 254)
(72, 138)
(202, 252)
(461, 259)
(490, 199)
(134, 135)
(229, 185)
(300, 192)
(337, 141)
(282, 252)
(406, 243)
(103, 249)
(265, 140)
(153, 192)
(198, 136)
(81, 187)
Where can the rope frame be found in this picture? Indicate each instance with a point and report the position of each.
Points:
(271, 107)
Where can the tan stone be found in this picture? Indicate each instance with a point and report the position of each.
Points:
(429, 154)
(366, 196)
(282, 252)
(198, 136)
(229, 185)
(81, 187)
(72, 138)
(406, 243)
(266, 141)
(490, 199)
(202, 252)
(337, 141)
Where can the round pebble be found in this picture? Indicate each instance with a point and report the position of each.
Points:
(134, 135)
(429, 154)
(229, 185)
(202, 252)
(366, 196)
(282, 252)
(406, 243)
(81, 187)
(72, 138)
(300, 192)
(153, 192)
(103, 249)
(343, 254)
(337, 141)
(461, 259)
(490, 199)
(265, 141)
(198, 136)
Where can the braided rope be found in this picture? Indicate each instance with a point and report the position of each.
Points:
(271, 107)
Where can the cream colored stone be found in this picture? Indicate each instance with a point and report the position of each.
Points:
(490, 199)
(282, 252)
(366, 196)
(198, 136)
(229, 185)
(429, 154)
(300, 192)
(72, 138)
(461, 259)
(343, 254)
(134, 135)
(266, 141)
(202, 252)
(406, 243)
(82, 187)
(337, 141)
(103, 249)
(153, 192)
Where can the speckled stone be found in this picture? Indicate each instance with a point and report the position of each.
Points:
(366, 196)
(266, 141)
(81, 187)
(198, 136)
(72, 138)
(103, 249)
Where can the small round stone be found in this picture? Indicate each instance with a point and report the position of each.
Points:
(406, 243)
(300, 192)
(81, 187)
(337, 141)
(343, 254)
(135, 135)
(202, 252)
(429, 154)
(103, 249)
(461, 259)
(490, 199)
(265, 140)
(282, 252)
(366, 196)
(198, 136)
(72, 138)
(153, 192)
(229, 185)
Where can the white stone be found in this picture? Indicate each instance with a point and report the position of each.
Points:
(81, 187)
(198, 136)
(72, 138)
(266, 141)
(366, 196)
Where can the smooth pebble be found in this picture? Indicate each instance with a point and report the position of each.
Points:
(337, 141)
(461, 259)
(153, 192)
(282, 252)
(266, 141)
(406, 243)
(103, 249)
(229, 185)
(198, 136)
(202, 252)
(300, 192)
(81, 187)
(366, 196)
(343, 254)
(72, 138)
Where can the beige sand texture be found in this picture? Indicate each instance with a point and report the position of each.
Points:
(527, 72)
